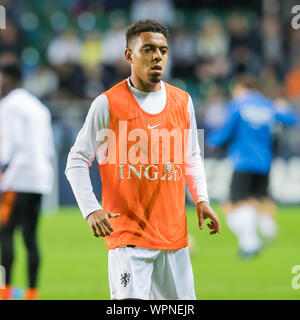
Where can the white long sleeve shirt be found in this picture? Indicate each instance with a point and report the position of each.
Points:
(26, 144)
(86, 148)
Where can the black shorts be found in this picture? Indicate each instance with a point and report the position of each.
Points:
(248, 185)
(19, 209)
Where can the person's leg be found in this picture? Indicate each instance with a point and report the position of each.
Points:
(130, 271)
(267, 224)
(242, 219)
(172, 277)
(266, 209)
(29, 228)
(8, 221)
(226, 207)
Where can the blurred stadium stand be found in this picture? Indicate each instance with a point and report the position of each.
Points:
(72, 50)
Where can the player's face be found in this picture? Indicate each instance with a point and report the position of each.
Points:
(148, 56)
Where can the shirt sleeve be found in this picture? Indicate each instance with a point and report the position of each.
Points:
(83, 153)
(195, 173)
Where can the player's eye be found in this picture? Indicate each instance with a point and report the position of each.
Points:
(148, 50)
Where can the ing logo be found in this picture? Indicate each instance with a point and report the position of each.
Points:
(151, 172)
(2, 18)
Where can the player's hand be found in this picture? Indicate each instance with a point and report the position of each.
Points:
(205, 211)
(100, 224)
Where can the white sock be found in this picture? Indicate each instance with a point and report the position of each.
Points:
(267, 226)
(242, 221)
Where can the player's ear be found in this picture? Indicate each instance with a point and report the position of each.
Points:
(128, 55)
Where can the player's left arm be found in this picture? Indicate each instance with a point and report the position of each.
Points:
(205, 211)
(195, 177)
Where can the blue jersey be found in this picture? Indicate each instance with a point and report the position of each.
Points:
(248, 130)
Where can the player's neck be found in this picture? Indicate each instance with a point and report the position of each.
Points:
(144, 86)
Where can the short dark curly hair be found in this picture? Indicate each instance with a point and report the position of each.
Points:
(146, 25)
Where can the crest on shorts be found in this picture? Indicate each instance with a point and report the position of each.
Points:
(125, 278)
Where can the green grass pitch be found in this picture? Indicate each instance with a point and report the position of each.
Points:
(74, 263)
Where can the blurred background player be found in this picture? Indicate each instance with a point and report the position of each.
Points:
(248, 130)
(26, 149)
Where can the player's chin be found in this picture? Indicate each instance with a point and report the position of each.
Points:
(155, 78)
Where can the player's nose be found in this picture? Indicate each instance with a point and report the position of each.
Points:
(157, 56)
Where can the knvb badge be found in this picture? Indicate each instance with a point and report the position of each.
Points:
(2, 18)
(2, 277)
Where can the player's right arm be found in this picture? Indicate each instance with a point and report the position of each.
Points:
(99, 223)
(80, 158)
